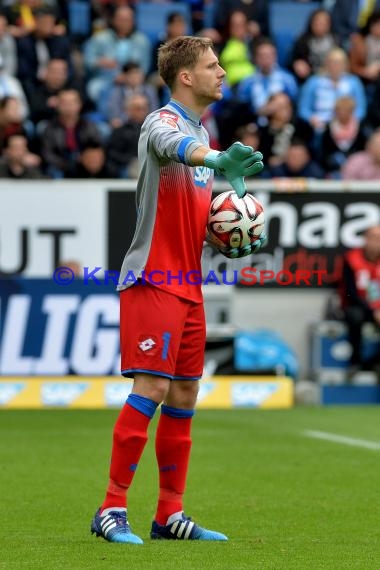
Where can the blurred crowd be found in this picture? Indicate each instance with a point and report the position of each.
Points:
(72, 104)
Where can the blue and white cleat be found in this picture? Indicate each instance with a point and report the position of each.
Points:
(113, 526)
(180, 527)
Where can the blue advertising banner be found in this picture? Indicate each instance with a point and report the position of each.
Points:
(46, 328)
(59, 347)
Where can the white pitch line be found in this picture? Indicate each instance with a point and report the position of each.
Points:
(335, 438)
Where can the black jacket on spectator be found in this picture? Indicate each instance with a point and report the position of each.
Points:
(311, 170)
(38, 95)
(302, 50)
(374, 107)
(258, 10)
(80, 172)
(332, 158)
(58, 47)
(29, 172)
(54, 150)
(272, 141)
(123, 143)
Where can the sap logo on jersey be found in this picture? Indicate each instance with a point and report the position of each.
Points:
(202, 175)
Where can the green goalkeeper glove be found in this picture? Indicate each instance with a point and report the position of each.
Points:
(235, 252)
(236, 162)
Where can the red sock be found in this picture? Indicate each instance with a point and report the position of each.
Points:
(129, 439)
(173, 445)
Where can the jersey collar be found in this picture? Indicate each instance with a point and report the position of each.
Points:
(185, 112)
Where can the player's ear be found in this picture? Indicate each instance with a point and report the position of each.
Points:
(185, 77)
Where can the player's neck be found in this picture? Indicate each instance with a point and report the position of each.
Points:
(189, 104)
(188, 111)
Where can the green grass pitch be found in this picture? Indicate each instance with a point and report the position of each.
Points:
(286, 501)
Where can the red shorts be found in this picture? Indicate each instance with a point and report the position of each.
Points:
(161, 334)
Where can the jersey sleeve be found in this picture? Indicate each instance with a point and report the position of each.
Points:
(168, 141)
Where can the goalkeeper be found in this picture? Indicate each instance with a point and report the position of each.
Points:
(162, 322)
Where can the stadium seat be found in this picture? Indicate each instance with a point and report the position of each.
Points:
(209, 10)
(287, 21)
(151, 18)
(79, 18)
(330, 350)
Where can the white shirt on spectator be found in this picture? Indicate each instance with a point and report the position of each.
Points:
(11, 87)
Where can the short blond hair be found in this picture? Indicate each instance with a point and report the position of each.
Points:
(178, 54)
(337, 53)
(345, 101)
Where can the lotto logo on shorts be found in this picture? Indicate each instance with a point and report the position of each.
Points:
(147, 344)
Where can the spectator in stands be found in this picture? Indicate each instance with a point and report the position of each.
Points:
(11, 120)
(256, 11)
(282, 127)
(64, 136)
(365, 52)
(107, 51)
(43, 94)
(311, 48)
(62, 8)
(92, 163)
(123, 143)
(297, 163)
(343, 136)
(320, 92)
(106, 8)
(131, 80)
(373, 116)
(364, 165)
(198, 8)
(175, 27)
(267, 80)
(37, 48)
(11, 87)
(350, 15)
(22, 16)
(229, 113)
(210, 124)
(235, 53)
(16, 160)
(8, 48)
(360, 295)
(249, 135)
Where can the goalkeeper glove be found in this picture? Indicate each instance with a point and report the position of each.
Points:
(236, 252)
(236, 162)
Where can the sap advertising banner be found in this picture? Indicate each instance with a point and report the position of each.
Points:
(307, 232)
(46, 328)
(43, 223)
